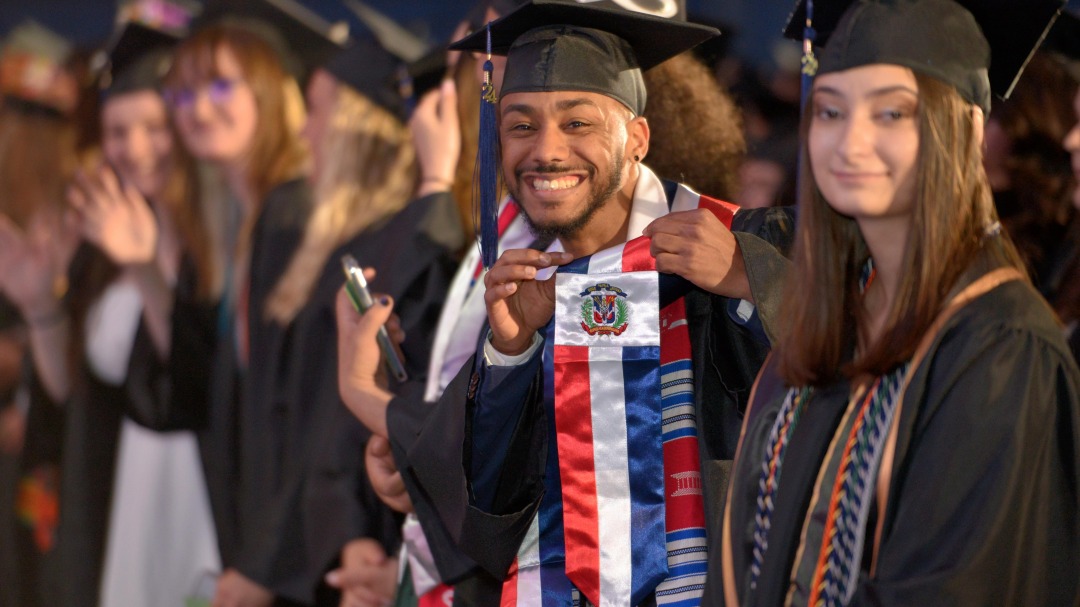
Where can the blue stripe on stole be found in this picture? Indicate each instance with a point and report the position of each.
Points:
(555, 586)
(684, 534)
(641, 389)
(578, 266)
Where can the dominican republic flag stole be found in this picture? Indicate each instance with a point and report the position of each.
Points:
(622, 516)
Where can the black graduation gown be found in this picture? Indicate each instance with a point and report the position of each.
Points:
(433, 451)
(320, 498)
(203, 385)
(983, 502)
(86, 450)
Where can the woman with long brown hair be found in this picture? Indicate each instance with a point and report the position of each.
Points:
(239, 114)
(913, 438)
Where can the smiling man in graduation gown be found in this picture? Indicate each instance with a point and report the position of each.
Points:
(572, 144)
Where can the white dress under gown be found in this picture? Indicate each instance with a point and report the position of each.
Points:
(161, 533)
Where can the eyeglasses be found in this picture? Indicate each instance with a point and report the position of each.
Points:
(218, 91)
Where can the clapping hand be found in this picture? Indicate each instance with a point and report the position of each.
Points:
(33, 263)
(115, 217)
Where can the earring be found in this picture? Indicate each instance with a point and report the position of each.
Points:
(637, 158)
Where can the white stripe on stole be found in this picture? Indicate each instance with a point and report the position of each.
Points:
(611, 463)
(685, 199)
(528, 575)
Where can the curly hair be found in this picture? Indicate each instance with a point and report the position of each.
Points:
(1035, 121)
(697, 136)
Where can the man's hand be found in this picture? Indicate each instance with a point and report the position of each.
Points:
(115, 217)
(358, 361)
(384, 475)
(236, 590)
(695, 245)
(518, 305)
(367, 576)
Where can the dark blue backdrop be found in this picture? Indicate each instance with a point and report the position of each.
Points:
(755, 24)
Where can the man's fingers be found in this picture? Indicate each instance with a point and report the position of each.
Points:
(685, 223)
(532, 257)
(517, 265)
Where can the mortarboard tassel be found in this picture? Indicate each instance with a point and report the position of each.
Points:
(485, 182)
(809, 61)
(809, 70)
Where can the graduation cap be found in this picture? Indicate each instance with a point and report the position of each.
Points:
(371, 70)
(33, 69)
(954, 41)
(302, 38)
(566, 45)
(137, 59)
(673, 9)
(425, 74)
(562, 45)
(1063, 42)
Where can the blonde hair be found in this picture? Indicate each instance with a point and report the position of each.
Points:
(369, 173)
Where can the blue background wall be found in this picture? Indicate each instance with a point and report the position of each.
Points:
(753, 24)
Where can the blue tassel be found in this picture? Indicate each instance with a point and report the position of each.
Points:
(809, 61)
(809, 70)
(486, 179)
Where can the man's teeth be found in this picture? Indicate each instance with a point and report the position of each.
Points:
(555, 184)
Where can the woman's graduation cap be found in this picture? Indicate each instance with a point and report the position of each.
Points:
(303, 39)
(374, 72)
(978, 46)
(1063, 42)
(561, 45)
(33, 70)
(139, 53)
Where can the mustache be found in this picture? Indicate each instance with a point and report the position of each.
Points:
(553, 168)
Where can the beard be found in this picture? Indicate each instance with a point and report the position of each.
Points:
(600, 193)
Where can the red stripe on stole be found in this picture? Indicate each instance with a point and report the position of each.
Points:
(509, 589)
(724, 211)
(637, 257)
(573, 422)
(684, 505)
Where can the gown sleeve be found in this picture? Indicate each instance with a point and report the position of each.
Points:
(983, 506)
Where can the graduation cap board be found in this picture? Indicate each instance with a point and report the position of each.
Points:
(673, 9)
(304, 39)
(953, 40)
(374, 72)
(562, 45)
(32, 69)
(1063, 42)
(136, 40)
